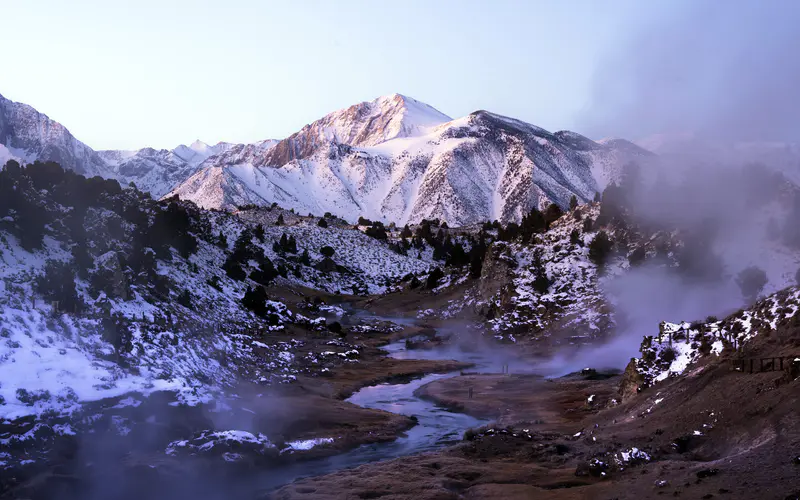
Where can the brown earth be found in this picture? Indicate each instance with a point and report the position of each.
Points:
(712, 433)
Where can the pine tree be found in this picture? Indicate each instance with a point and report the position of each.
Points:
(552, 214)
(600, 249)
(259, 233)
(322, 223)
(433, 278)
(222, 241)
(280, 221)
(573, 202)
(458, 257)
(255, 299)
(283, 243)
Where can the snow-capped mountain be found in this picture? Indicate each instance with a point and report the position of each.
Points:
(157, 171)
(397, 159)
(28, 135)
(391, 159)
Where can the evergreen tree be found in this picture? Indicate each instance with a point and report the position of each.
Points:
(284, 242)
(439, 253)
(532, 223)
(600, 249)
(378, 232)
(541, 283)
(575, 237)
(58, 284)
(573, 202)
(222, 241)
(280, 221)
(434, 278)
(476, 256)
(322, 223)
(406, 232)
(185, 299)
(458, 257)
(552, 214)
(255, 299)
(259, 233)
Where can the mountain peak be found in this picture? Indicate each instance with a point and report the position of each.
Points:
(198, 146)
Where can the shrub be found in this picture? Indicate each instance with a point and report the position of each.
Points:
(433, 278)
(58, 284)
(255, 299)
(600, 249)
(377, 232)
(322, 223)
(185, 299)
(327, 251)
(637, 256)
(234, 269)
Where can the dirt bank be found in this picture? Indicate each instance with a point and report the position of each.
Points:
(713, 433)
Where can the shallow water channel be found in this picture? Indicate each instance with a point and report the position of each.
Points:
(436, 427)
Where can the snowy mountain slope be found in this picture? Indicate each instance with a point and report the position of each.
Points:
(157, 171)
(28, 135)
(135, 313)
(395, 159)
(607, 162)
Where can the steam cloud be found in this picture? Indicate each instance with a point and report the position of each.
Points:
(721, 70)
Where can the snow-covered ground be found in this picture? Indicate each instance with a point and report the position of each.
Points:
(678, 346)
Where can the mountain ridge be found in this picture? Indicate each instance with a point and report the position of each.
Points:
(394, 159)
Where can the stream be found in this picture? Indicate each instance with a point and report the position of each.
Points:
(436, 427)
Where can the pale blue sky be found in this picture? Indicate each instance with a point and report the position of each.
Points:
(129, 74)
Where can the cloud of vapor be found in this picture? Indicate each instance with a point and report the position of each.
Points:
(721, 70)
(643, 299)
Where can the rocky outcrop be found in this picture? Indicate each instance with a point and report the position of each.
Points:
(108, 276)
(497, 271)
(632, 381)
